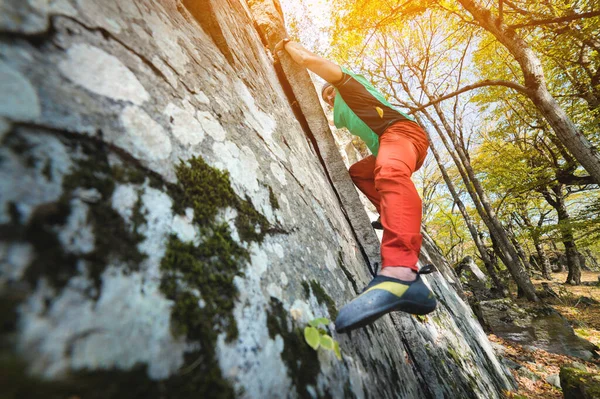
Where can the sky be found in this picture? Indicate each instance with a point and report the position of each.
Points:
(313, 18)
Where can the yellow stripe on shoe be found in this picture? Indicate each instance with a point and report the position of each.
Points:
(391, 287)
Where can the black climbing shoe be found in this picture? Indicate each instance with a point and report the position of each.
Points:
(384, 295)
(377, 224)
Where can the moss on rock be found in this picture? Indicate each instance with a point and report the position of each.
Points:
(50, 259)
(579, 384)
(200, 382)
(454, 355)
(203, 189)
(206, 190)
(323, 298)
(199, 279)
(306, 288)
(114, 240)
(273, 199)
(302, 361)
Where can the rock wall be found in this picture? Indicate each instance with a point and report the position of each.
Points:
(168, 228)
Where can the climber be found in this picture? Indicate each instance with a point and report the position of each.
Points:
(399, 147)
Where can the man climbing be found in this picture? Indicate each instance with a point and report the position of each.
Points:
(399, 147)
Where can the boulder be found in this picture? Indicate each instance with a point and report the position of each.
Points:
(534, 327)
(579, 384)
(474, 279)
(171, 219)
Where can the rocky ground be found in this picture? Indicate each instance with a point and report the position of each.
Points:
(536, 370)
(573, 303)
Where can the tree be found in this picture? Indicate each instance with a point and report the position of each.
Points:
(421, 65)
(533, 84)
(388, 70)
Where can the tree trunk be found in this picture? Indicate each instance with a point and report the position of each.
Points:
(535, 81)
(521, 253)
(507, 252)
(494, 258)
(469, 222)
(539, 248)
(574, 276)
(544, 261)
(566, 231)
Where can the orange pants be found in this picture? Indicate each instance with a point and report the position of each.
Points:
(385, 180)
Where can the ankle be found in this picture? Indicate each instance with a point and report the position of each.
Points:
(399, 272)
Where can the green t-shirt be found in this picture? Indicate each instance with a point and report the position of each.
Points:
(361, 109)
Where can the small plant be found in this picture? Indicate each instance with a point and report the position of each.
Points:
(316, 336)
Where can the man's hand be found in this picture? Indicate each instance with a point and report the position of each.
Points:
(280, 46)
(324, 68)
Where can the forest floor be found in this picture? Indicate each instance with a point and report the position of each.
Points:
(584, 317)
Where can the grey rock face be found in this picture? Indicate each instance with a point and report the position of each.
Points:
(168, 230)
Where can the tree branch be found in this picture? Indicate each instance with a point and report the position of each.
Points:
(570, 179)
(516, 8)
(500, 10)
(548, 21)
(521, 89)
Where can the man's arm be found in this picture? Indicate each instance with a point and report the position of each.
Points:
(326, 69)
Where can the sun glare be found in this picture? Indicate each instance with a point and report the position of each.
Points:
(308, 21)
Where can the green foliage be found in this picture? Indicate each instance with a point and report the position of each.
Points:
(317, 337)
(317, 322)
(413, 58)
(450, 233)
(312, 337)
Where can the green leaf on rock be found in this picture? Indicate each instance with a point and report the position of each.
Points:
(312, 337)
(326, 342)
(320, 320)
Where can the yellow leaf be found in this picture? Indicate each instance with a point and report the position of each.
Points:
(336, 349)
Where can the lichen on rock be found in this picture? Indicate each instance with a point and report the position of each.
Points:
(157, 198)
(102, 73)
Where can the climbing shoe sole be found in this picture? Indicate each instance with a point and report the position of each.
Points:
(384, 295)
